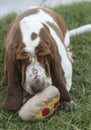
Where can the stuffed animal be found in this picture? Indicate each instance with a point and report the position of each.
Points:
(42, 105)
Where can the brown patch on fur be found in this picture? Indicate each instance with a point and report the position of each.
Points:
(15, 24)
(14, 93)
(46, 28)
(33, 36)
(44, 58)
(27, 13)
(45, 35)
(58, 19)
(57, 31)
(43, 50)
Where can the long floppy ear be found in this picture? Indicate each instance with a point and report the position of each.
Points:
(58, 75)
(59, 79)
(23, 59)
(14, 93)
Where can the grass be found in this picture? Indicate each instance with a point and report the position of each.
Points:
(75, 15)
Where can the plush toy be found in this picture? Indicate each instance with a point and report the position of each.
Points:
(42, 105)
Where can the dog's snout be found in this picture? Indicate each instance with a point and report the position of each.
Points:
(35, 74)
(37, 89)
(38, 86)
(34, 71)
(36, 77)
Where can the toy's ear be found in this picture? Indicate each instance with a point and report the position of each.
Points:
(14, 93)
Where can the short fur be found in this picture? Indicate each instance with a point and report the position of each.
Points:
(18, 58)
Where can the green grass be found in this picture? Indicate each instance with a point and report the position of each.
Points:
(75, 15)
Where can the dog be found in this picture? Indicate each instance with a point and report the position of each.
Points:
(38, 54)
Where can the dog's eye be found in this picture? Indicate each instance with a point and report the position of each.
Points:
(26, 61)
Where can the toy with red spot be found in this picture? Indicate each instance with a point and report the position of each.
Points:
(42, 105)
(45, 111)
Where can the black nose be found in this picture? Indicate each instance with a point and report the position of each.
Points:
(37, 89)
(38, 86)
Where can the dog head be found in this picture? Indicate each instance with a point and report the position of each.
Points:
(34, 58)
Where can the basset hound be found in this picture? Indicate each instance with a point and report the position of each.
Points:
(38, 54)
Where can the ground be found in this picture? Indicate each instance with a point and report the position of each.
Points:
(80, 119)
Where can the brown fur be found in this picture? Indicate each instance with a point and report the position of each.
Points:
(14, 94)
(33, 36)
(58, 19)
(57, 30)
(48, 52)
(16, 60)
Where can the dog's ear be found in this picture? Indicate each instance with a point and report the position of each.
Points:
(58, 78)
(15, 92)
(23, 59)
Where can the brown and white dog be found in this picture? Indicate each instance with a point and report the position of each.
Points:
(38, 54)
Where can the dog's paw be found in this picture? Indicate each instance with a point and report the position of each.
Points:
(68, 106)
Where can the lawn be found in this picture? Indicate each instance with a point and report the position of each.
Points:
(75, 15)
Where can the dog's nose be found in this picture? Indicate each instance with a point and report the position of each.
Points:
(38, 86)
(37, 89)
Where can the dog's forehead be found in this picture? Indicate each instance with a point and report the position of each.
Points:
(31, 26)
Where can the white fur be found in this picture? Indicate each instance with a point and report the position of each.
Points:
(80, 30)
(65, 62)
(27, 26)
(30, 24)
(30, 76)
